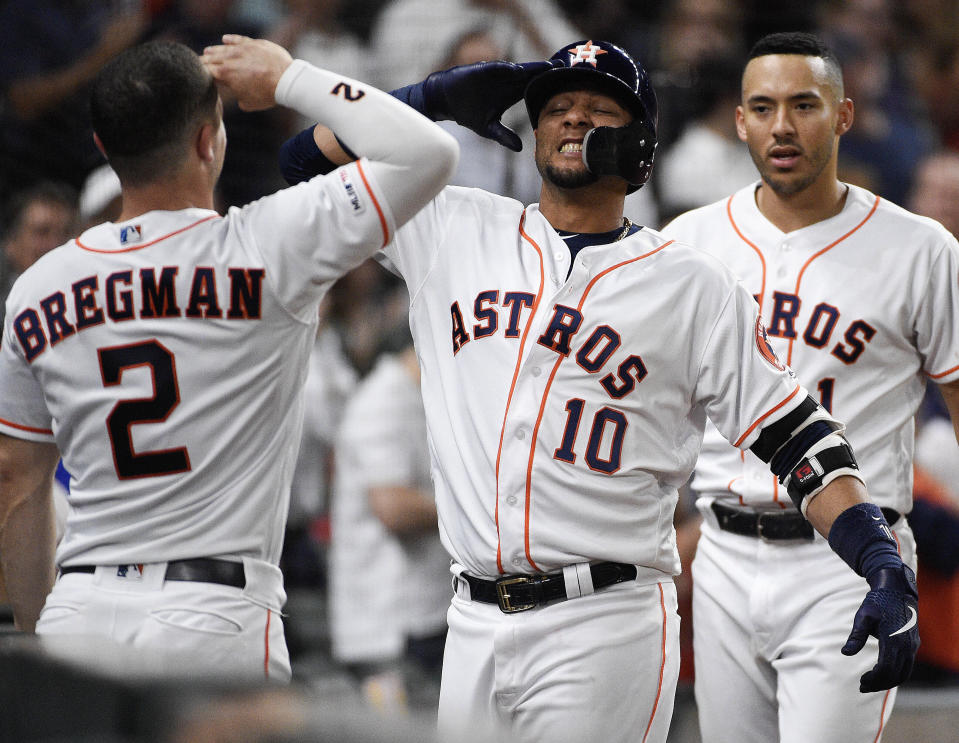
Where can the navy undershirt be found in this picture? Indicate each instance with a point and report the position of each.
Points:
(576, 241)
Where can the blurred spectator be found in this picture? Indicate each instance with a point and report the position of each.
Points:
(313, 30)
(365, 305)
(689, 32)
(389, 573)
(259, 13)
(937, 82)
(627, 24)
(484, 163)
(642, 207)
(889, 136)
(330, 382)
(935, 522)
(49, 51)
(37, 220)
(935, 190)
(708, 161)
(935, 515)
(250, 170)
(935, 194)
(411, 37)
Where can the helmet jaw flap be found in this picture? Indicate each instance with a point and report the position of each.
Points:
(604, 67)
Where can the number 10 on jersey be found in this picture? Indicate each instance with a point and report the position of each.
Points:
(608, 424)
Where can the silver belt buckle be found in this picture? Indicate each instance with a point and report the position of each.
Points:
(760, 519)
(504, 598)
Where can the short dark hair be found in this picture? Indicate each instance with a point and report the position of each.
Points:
(42, 192)
(805, 44)
(143, 105)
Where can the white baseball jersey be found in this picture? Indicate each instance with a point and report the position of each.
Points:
(564, 414)
(383, 587)
(865, 307)
(166, 357)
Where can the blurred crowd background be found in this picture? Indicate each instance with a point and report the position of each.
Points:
(901, 66)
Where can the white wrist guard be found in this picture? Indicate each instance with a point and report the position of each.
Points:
(827, 459)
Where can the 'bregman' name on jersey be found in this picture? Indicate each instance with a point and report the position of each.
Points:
(128, 295)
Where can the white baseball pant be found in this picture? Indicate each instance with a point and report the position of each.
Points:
(184, 627)
(601, 667)
(769, 619)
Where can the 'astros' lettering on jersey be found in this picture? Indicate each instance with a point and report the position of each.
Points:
(864, 306)
(564, 413)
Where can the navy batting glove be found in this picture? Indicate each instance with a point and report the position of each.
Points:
(475, 96)
(889, 612)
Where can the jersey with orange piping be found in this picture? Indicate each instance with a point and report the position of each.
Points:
(565, 413)
(864, 306)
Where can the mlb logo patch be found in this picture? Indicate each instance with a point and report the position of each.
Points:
(133, 572)
(130, 234)
(352, 194)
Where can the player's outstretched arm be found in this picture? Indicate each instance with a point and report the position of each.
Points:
(806, 450)
(27, 526)
(412, 158)
(474, 96)
(859, 534)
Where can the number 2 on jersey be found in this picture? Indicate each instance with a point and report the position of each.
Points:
(126, 413)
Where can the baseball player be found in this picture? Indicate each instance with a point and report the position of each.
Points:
(164, 355)
(569, 362)
(861, 297)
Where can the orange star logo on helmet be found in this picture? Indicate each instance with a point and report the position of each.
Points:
(585, 53)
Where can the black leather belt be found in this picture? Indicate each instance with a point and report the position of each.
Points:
(200, 570)
(774, 526)
(513, 593)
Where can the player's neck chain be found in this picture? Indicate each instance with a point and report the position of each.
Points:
(576, 241)
(582, 239)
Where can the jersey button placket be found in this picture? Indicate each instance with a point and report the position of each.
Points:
(784, 250)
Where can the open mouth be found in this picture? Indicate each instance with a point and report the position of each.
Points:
(784, 156)
(571, 146)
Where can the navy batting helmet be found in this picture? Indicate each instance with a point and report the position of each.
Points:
(595, 65)
(604, 67)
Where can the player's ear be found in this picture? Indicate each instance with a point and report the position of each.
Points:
(741, 123)
(846, 113)
(205, 141)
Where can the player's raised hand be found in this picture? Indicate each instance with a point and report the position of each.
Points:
(248, 68)
(889, 613)
(476, 96)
